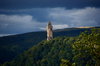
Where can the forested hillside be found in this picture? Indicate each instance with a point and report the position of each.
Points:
(46, 53)
(83, 50)
(11, 46)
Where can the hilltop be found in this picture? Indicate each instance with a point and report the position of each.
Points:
(46, 53)
(83, 50)
(12, 46)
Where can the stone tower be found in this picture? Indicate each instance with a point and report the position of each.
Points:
(49, 31)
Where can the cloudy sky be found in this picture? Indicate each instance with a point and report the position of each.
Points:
(21, 16)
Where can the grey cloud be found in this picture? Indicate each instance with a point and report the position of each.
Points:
(18, 24)
(77, 17)
(57, 26)
(35, 19)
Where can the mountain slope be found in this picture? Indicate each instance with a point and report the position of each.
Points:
(11, 46)
(46, 53)
(83, 50)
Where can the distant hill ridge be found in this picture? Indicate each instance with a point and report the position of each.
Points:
(85, 27)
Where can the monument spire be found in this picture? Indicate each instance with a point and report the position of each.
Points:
(49, 31)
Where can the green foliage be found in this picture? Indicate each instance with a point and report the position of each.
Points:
(12, 46)
(87, 48)
(46, 53)
(63, 51)
(65, 62)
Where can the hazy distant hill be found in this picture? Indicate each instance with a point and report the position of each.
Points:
(11, 46)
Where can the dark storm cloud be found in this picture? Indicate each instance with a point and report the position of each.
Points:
(12, 24)
(40, 14)
(22, 4)
(19, 16)
(20, 21)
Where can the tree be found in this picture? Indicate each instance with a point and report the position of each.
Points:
(87, 48)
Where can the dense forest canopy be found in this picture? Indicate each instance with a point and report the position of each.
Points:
(87, 48)
(12, 46)
(83, 50)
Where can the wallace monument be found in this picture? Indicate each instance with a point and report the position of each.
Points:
(49, 31)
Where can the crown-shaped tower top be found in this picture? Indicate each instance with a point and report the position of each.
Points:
(49, 23)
